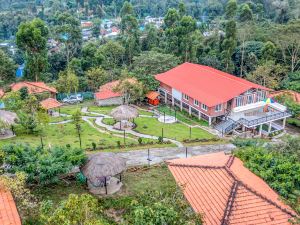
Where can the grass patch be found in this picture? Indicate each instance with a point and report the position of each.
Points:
(58, 119)
(182, 116)
(176, 131)
(101, 109)
(109, 121)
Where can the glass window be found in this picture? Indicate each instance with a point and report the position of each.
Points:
(239, 101)
(249, 99)
(204, 107)
(196, 102)
(185, 97)
(218, 108)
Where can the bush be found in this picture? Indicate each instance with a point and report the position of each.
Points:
(160, 139)
(140, 140)
(119, 144)
(294, 122)
(94, 146)
(245, 142)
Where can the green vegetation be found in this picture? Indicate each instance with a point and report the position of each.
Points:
(278, 165)
(176, 131)
(109, 121)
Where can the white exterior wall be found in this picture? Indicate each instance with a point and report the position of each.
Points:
(110, 101)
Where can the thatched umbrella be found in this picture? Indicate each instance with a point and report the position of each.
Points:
(124, 112)
(102, 165)
(8, 117)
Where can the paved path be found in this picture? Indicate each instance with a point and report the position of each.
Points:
(139, 157)
(99, 122)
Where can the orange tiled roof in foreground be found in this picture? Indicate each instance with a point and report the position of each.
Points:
(152, 95)
(33, 87)
(50, 103)
(225, 192)
(8, 211)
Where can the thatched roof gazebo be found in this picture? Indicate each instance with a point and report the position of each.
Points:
(100, 168)
(124, 112)
(8, 117)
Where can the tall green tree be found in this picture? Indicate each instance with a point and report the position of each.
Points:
(245, 13)
(76, 117)
(7, 68)
(32, 38)
(96, 77)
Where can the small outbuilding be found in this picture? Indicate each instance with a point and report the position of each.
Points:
(152, 97)
(103, 173)
(50, 104)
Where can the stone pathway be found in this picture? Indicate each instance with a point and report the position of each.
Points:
(140, 157)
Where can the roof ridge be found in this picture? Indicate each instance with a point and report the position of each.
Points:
(195, 166)
(230, 161)
(33, 84)
(230, 201)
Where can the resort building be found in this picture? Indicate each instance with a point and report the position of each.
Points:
(107, 96)
(223, 191)
(229, 103)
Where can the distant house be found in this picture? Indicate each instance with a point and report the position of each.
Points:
(36, 88)
(230, 103)
(86, 24)
(220, 188)
(8, 211)
(295, 96)
(107, 96)
(50, 104)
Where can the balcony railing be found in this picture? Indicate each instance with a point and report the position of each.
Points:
(255, 122)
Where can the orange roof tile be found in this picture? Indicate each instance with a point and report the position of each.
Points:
(33, 87)
(8, 211)
(225, 192)
(293, 94)
(50, 103)
(152, 95)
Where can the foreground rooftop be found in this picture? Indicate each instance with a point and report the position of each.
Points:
(225, 192)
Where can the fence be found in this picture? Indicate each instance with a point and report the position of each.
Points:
(85, 95)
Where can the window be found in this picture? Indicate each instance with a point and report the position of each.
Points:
(239, 101)
(218, 108)
(261, 95)
(249, 99)
(204, 107)
(196, 102)
(185, 97)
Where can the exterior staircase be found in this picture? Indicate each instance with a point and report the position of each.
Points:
(226, 126)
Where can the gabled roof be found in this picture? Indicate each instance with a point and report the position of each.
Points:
(225, 192)
(106, 91)
(206, 84)
(152, 95)
(33, 87)
(50, 103)
(8, 211)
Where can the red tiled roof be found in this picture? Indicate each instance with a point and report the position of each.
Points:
(50, 103)
(1, 93)
(205, 84)
(8, 211)
(33, 87)
(293, 94)
(225, 192)
(106, 91)
(152, 95)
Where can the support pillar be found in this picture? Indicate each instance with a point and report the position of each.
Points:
(166, 98)
(180, 105)
(172, 101)
(209, 121)
(284, 123)
(270, 127)
(199, 115)
(243, 128)
(190, 110)
(260, 130)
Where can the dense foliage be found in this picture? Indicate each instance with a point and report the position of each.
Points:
(42, 166)
(278, 165)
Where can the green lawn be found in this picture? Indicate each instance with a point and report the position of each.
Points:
(63, 134)
(108, 121)
(71, 109)
(182, 116)
(177, 131)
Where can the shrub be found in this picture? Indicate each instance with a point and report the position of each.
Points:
(140, 140)
(119, 144)
(160, 139)
(94, 146)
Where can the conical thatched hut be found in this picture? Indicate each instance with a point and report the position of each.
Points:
(124, 112)
(100, 169)
(8, 117)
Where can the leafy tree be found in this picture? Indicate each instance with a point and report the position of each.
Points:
(229, 44)
(7, 68)
(42, 121)
(268, 74)
(23, 93)
(67, 30)
(77, 209)
(96, 77)
(151, 40)
(13, 101)
(268, 51)
(31, 38)
(181, 9)
(245, 13)
(231, 8)
(28, 121)
(76, 117)
(131, 89)
(89, 58)
(67, 82)
(292, 82)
